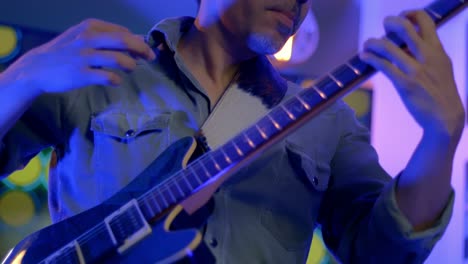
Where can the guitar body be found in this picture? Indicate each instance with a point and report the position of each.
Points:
(162, 245)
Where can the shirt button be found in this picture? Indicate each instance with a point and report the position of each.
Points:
(315, 181)
(213, 242)
(130, 133)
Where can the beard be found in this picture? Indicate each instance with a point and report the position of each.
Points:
(265, 44)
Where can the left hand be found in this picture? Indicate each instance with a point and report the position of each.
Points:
(422, 74)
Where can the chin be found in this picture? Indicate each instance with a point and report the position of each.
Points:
(266, 45)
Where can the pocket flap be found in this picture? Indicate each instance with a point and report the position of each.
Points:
(309, 166)
(129, 125)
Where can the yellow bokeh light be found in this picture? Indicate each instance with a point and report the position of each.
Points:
(360, 101)
(16, 208)
(27, 176)
(8, 40)
(317, 250)
(286, 52)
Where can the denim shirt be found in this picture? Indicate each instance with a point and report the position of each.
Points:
(324, 174)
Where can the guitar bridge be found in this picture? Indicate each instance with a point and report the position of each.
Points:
(127, 226)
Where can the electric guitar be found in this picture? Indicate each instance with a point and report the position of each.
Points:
(140, 224)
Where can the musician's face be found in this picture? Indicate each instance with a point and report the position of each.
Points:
(263, 25)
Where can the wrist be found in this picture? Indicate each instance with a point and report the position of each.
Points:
(443, 140)
(448, 131)
(19, 86)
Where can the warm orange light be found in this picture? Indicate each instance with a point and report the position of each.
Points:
(285, 53)
(19, 258)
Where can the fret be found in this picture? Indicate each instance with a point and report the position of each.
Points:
(329, 87)
(173, 189)
(205, 170)
(361, 66)
(277, 126)
(254, 134)
(209, 163)
(311, 97)
(346, 75)
(238, 150)
(149, 208)
(433, 13)
(196, 175)
(228, 159)
(199, 172)
(240, 145)
(220, 158)
(320, 92)
(282, 117)
(335, 80)
(165, 202)
(153, 197)
(215, 163)
(306, 105)
(187, 182)
(264, 136)
(182, 194)
(174, 199)
(355, 70)
(290, 115)
(249, 141)
(183, 184)
(229, 150)
(295, 107)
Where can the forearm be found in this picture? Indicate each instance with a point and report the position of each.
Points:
(15, 98)
(424, 186)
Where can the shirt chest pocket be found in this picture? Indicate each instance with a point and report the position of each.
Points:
(125, 143)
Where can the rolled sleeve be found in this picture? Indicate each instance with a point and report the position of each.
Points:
(39, 127)
(359, 216)
(395, 225)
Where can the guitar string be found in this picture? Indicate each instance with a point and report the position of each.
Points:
(166, 184)
(163, 186)
(89, 235)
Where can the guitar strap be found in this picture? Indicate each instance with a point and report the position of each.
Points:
(235, 111)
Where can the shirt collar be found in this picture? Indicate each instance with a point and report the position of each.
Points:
(256, 76)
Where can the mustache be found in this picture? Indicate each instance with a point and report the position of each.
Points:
(286, 7)
(292, 10)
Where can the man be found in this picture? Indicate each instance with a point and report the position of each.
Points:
(109, 113)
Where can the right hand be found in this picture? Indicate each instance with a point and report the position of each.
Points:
(85, 54)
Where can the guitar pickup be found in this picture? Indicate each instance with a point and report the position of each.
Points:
(127, 226)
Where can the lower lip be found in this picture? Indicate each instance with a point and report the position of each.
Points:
(284, 19)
